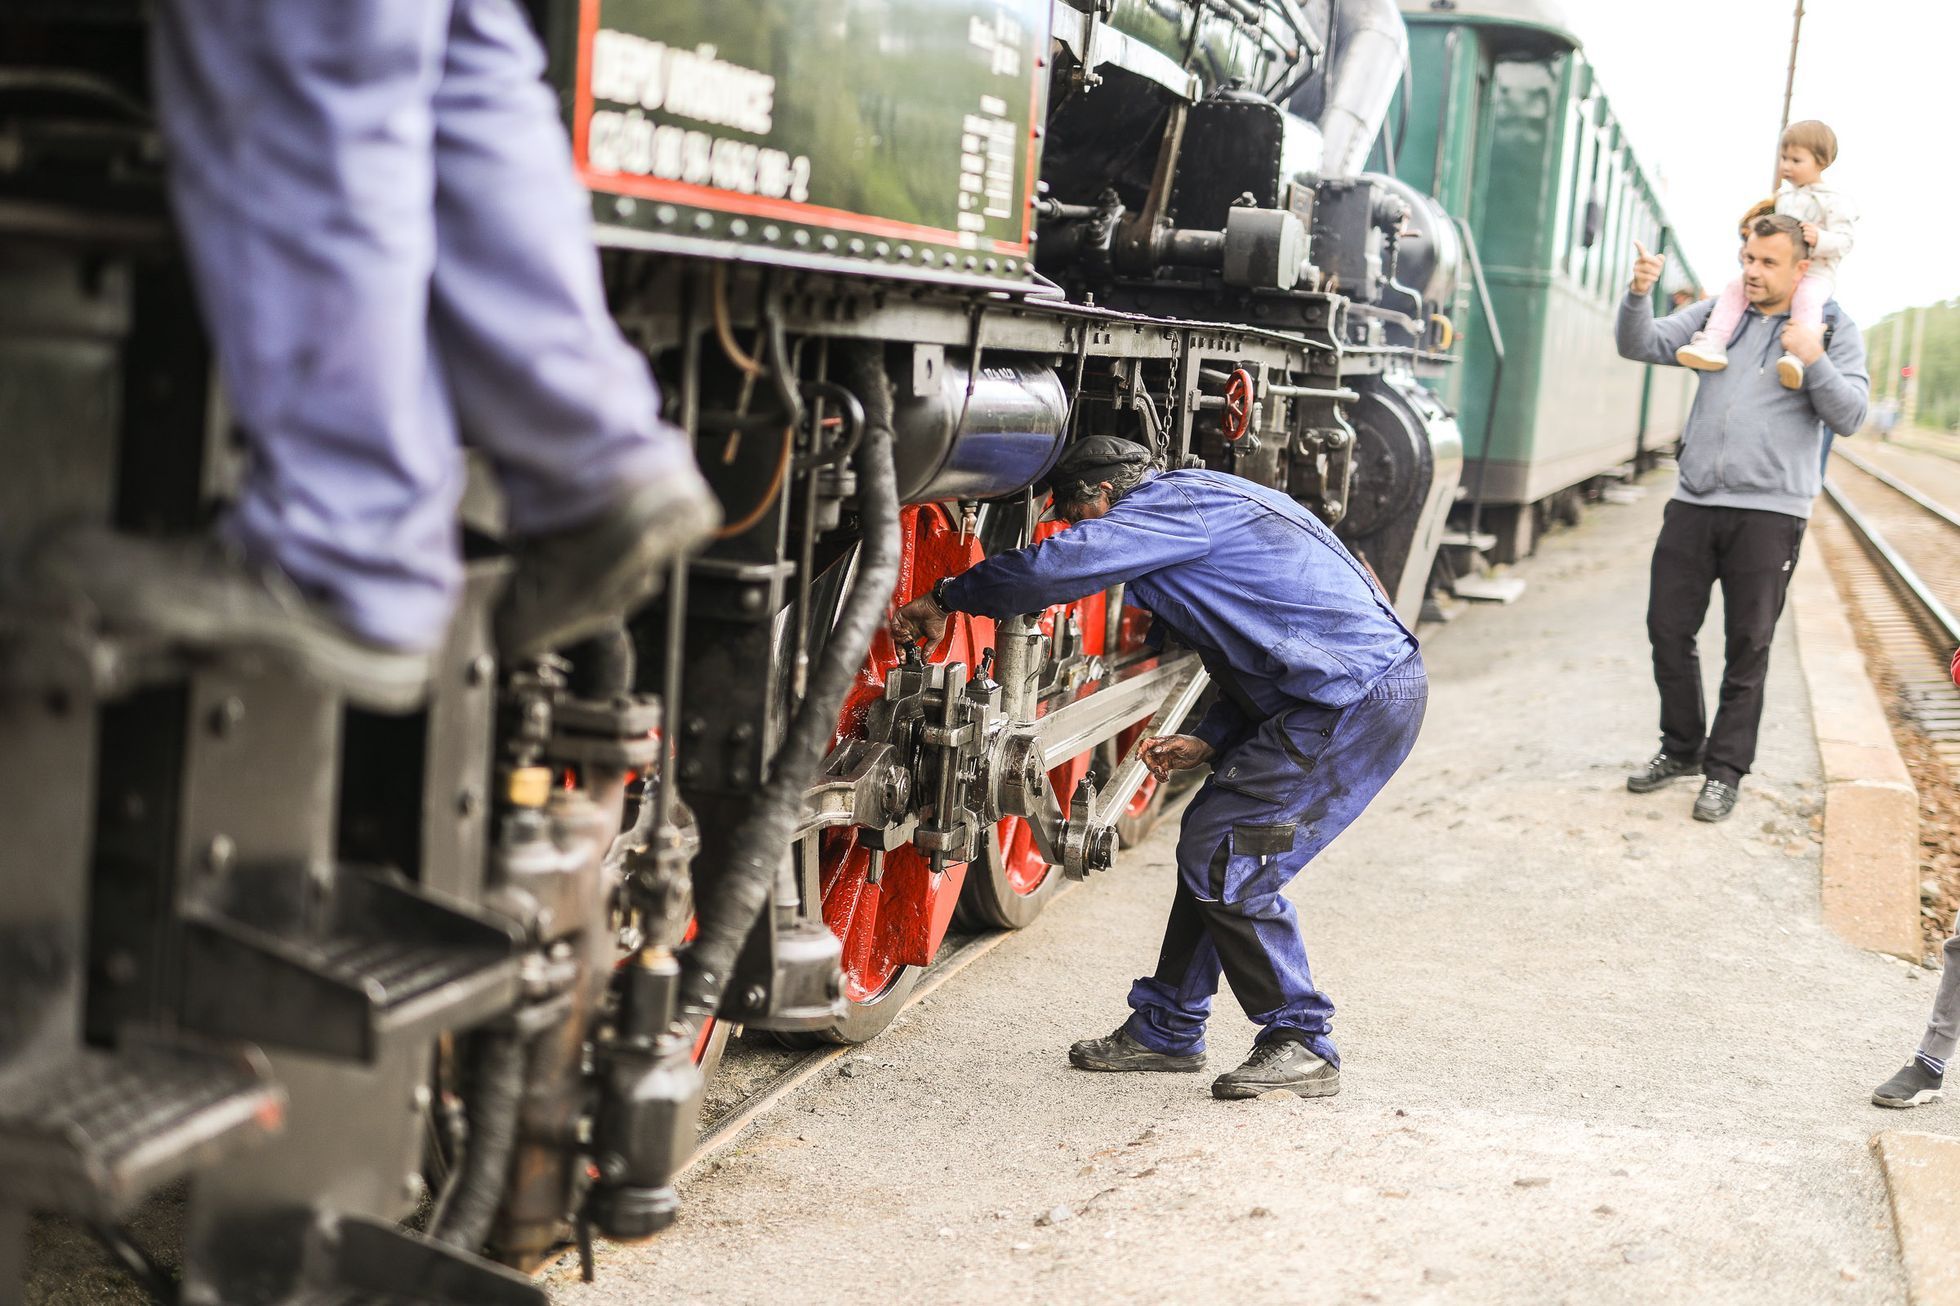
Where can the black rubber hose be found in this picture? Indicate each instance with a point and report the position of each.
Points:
(496, 1091)
(736, 901)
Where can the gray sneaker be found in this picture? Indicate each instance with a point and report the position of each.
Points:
(1912, 1086)
(201, 594)
(1281, 1063)
(1663, 768)
(1715, 801)
(1121, 1052)
(576, 582)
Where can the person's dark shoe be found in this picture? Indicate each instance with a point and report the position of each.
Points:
(202, 594)
(1279, 1063)
(1715, 801)
(576, 582)
(1662, 768)
(1914, 1085)
(1121, 1052)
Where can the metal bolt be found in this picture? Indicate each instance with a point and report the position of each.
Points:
(743, 732)
(480, 669)
(226, 716)
(691, 769)
(412, 1187)
(421, 1097)
(218, 854)
(751, 599)
(133, 807)
(738, 775)
(694, 727)
(895, 791)
(121, 967)
(468, 801)
(754, 996)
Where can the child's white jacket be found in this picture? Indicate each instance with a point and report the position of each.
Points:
(1831, 209)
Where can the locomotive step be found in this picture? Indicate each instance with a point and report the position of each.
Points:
(355, 1261)
(91, 1134)
(336, 963)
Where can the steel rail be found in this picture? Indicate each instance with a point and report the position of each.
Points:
(1886, 479)
(1901, 571)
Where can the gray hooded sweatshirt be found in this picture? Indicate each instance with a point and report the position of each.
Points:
(1750, 443)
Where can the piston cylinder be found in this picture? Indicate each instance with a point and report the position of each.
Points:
(1001, 437)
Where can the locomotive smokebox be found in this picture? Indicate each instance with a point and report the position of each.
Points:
(968, 435)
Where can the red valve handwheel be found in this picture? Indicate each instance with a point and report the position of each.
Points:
(1238, 404)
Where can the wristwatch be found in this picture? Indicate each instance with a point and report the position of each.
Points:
(938, 595)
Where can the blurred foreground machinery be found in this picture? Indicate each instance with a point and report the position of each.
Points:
(404, 997)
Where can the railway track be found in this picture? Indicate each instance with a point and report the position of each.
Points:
(1905, 579)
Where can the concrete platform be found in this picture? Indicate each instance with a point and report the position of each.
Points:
(1922, 1173)
(1595, 1052)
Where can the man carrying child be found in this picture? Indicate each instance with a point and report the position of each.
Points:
(1749, 472)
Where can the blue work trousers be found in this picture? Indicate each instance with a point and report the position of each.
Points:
(1270, 805)
(394, 256)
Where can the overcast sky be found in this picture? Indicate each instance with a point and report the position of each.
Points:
(1698, 85)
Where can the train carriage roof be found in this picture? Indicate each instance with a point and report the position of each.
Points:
(1542, 16)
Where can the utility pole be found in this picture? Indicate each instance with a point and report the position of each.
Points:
(1789, 85)
(1911, 415)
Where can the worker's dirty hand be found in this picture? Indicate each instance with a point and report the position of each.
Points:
(920, 617)
(1163, 754)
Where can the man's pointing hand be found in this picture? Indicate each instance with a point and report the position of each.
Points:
(1646, 269)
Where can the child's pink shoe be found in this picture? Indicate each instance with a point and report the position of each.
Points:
(1702, 354)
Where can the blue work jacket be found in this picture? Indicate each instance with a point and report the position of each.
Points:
(1276, 607)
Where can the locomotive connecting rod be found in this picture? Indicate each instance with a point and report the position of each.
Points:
(1122, 786)
(1068, 731)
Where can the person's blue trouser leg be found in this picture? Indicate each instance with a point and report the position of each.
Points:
(1270, 806)
(380, 212)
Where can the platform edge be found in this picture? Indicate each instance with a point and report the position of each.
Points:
(1869, 873)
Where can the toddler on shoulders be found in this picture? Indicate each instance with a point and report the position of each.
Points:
(1807, 149)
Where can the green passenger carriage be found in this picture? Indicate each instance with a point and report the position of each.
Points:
(1505, 123)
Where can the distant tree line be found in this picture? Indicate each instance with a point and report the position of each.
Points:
(1889, 345)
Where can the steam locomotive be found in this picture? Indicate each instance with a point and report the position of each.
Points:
(411, 999)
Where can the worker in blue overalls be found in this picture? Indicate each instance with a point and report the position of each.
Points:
(1321, 696)
(394, 258)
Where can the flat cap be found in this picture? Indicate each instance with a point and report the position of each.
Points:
(1097, 459)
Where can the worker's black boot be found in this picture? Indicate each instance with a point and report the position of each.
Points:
(576, 582)
(1281, 1063)
(203, 595)
(1661, 769)
(1121, 1052)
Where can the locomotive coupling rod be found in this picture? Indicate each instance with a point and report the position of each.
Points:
(1087, 838)
(860, 784)
(1081, 725)
(1129, 775)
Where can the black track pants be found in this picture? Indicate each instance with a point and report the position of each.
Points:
(1752, 554)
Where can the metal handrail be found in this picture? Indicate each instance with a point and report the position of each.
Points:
(1496, 375)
